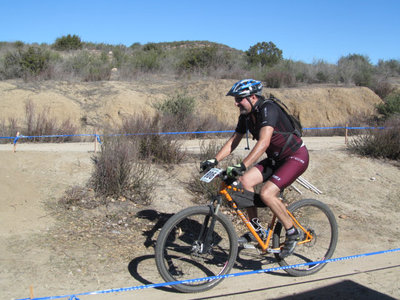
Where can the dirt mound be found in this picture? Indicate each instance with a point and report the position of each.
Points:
(95, 103)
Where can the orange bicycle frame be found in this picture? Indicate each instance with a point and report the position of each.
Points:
(264, 245)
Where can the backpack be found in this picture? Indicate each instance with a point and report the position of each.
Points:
(298, 128)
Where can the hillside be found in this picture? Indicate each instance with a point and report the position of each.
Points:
(94, 104)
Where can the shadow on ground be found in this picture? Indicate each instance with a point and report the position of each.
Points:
(246, 259)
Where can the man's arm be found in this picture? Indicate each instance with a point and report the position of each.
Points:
(260, 147)
(229, 146)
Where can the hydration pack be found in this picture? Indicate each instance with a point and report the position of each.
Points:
(298, 128)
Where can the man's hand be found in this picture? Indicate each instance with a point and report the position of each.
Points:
(236, 170)
(208, 164)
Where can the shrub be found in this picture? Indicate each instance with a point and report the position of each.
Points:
(88, 66)
(390, 106)
(68, 43)
(118, 172)
(355, 68)
(146, 61)
(160, 149)
(389, 68)
(151, 145)
(264, 54)
(34, 61)
(382, 87)
(204, 59)
(11, 65)
(380, 143)
(179, 106)
(40, 124)
(21, 63)
(8, 129)
(177, 111)
(277, 79)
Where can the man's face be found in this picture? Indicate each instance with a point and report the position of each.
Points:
(243, 104)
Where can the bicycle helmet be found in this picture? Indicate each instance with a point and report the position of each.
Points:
(245, 87)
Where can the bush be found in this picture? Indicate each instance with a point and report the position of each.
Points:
(277, 79)
(390, 106)
(264, 54)
(68, 43)
(28, 63)
(379, 143)
(118, 172)
(151, 145)
(177, 111)
(355, 69)
(34, 61)
(205, 59)
(40, 124)
(88, 66)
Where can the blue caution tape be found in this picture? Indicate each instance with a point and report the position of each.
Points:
(156, 285)
(162, 133)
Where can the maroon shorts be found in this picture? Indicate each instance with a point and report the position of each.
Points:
(283, 173)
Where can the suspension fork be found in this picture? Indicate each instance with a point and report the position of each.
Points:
(208, 225)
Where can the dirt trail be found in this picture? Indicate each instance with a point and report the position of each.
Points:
(363, 193)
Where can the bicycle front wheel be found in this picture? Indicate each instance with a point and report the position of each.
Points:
(195, 243)
(320, 237)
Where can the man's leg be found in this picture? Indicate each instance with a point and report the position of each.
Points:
(249, 180)
(269, 195)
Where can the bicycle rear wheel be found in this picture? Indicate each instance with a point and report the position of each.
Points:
(317, 219)
(183, 251)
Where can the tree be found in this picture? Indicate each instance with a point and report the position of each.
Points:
(266, 54)
(68, 43)
(355, 68)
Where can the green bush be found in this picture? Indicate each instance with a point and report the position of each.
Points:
(379, 143)
(69, 42)
(180, 106)
(264, 54)
(145, 61)
(196, 59)
(34, 60)
(88, 66)
(391, 105)
(21, 63)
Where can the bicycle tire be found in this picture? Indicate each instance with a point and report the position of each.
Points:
(178, 249)
(316, 217)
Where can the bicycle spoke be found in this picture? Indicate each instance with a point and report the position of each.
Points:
(185, 256)
(319, 223)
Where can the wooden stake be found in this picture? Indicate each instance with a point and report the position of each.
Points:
(345, 135)
(15, 144)
(31, 292)
(95, 142)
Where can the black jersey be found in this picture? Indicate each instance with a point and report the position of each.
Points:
(267, 113)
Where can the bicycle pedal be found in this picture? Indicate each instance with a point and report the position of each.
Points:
(248, 246)
(274, 250)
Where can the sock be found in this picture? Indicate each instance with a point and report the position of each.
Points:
(291, 230)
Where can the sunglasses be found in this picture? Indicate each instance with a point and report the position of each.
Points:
(238, 99)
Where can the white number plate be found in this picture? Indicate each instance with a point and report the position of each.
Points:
(211, 174)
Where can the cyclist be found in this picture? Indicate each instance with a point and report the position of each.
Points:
(287, 156)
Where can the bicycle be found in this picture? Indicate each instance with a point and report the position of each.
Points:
(201, 241)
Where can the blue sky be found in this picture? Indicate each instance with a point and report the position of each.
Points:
(304, 30)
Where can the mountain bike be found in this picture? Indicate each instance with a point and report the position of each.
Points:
(201, 241)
